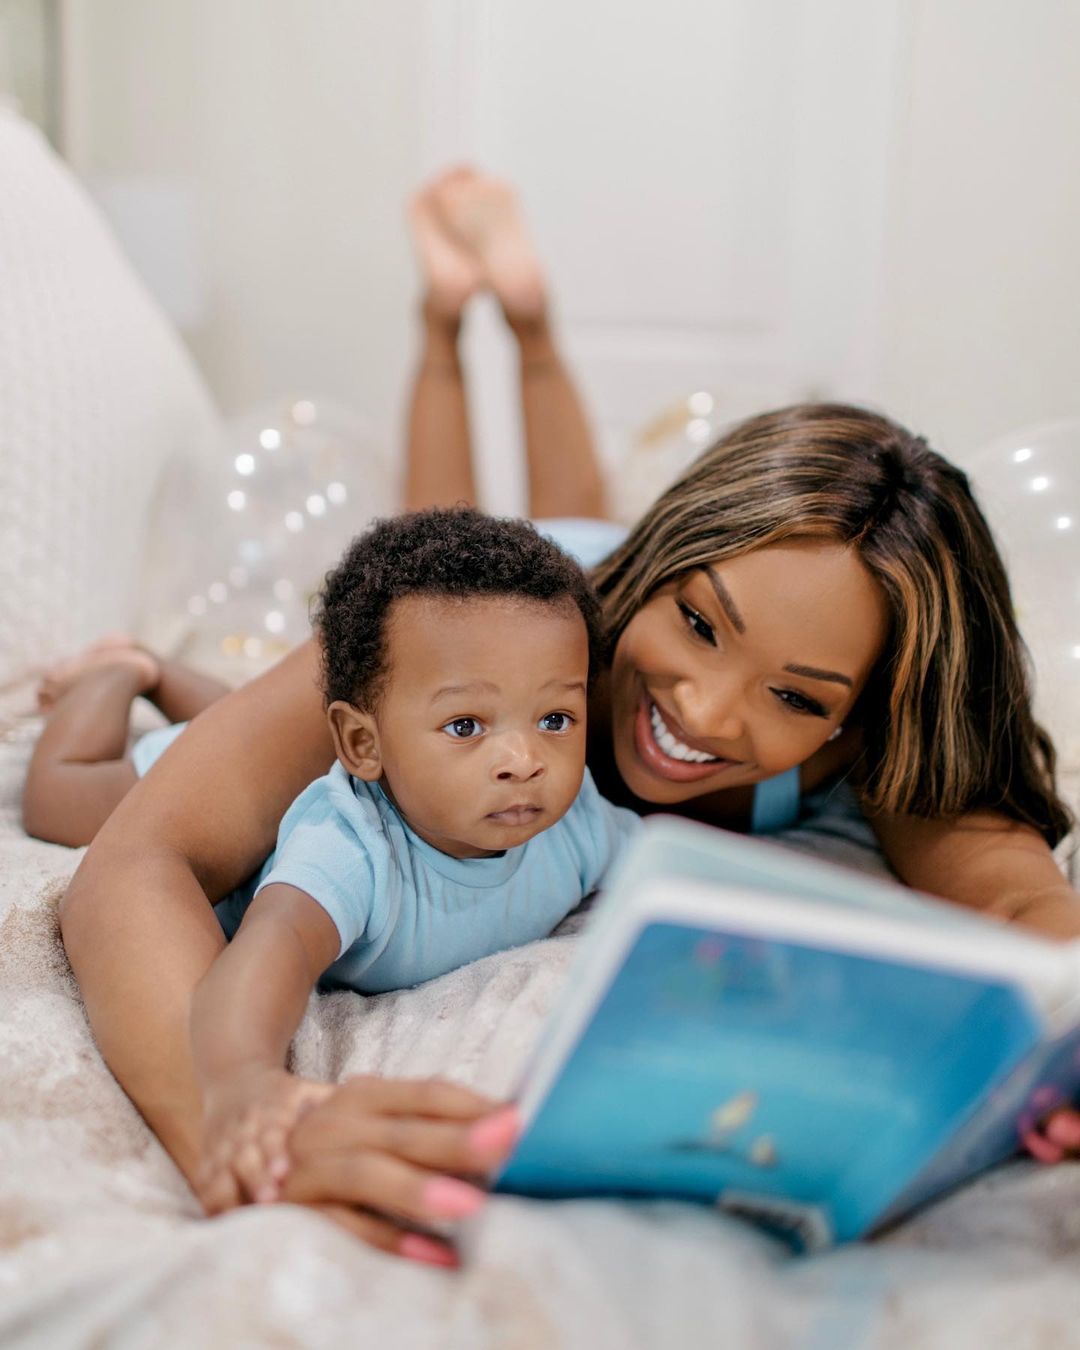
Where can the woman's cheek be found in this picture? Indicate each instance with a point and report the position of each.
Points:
(779, 747)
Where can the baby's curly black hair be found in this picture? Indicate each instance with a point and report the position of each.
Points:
(458, 553)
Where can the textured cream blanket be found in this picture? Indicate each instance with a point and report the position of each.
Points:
(102, 1244)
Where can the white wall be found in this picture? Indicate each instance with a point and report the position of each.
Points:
(982, 309)
(290, 133)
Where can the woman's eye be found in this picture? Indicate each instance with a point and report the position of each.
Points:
(463, 728)
(556, 722)
(799, 703)
(696, 623)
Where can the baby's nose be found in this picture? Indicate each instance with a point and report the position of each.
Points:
(517, 759)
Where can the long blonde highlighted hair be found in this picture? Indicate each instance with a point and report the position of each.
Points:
(946, 713)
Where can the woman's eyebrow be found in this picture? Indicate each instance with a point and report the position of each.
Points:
(812, 673)
(726, 602)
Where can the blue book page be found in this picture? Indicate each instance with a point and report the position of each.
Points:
(801, 1086)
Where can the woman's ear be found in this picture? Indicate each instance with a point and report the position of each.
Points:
(356, 740)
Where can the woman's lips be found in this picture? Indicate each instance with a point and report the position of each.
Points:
(661, 764)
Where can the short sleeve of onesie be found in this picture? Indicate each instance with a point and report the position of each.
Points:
(332, 846)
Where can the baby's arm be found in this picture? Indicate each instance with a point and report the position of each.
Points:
(244, 1014)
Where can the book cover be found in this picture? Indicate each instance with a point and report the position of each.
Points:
(814, 1063)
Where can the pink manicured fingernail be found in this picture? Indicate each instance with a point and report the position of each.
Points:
(450, 1199)
(432, 1253)
(495, 1134)
(1063, 1129)
(1042, 1149)
(279, 1167)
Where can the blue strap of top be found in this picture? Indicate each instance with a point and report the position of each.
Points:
(776, 803)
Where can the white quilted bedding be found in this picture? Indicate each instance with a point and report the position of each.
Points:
(102, 1244)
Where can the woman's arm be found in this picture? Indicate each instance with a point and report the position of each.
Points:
(986, 862)
(138, 930)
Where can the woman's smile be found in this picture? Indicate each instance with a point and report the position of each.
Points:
(666, 754)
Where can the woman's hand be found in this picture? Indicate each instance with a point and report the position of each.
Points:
(382, 1156)
(248, 1118)
(1056, 1138)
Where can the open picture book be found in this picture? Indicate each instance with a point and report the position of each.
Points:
(810, 1047)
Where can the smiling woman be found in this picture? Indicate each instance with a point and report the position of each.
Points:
(725, 691)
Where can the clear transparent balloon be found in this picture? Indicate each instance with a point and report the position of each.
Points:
(1028, 484)
(293, 483)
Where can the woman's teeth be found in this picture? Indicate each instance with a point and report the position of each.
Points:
(673, 748)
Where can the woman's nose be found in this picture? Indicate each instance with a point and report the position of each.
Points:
(711, 710)
(516, 759)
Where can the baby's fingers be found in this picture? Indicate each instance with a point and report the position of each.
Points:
(275, 1147)
(251, 1164)
(216, 1188)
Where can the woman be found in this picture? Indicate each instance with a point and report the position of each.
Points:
(818, 597)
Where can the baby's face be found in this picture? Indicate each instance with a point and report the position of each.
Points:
(480, 729)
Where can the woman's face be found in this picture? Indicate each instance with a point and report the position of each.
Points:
(743, 669)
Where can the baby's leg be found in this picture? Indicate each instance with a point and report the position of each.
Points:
(180, 692)
(79, 771)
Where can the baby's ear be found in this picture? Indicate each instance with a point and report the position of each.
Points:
(356, 740)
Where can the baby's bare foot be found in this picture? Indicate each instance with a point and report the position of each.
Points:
(113, 652)
(451, 274)
(484, 215)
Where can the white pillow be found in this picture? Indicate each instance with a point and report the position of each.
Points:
(97, 393)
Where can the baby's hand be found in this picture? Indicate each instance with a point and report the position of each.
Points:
(247, 1120)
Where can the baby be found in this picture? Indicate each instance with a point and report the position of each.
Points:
(458, 820)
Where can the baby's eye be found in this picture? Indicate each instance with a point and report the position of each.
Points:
(556, 722)
(463, 728)
(799, 703)
(697, 625)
